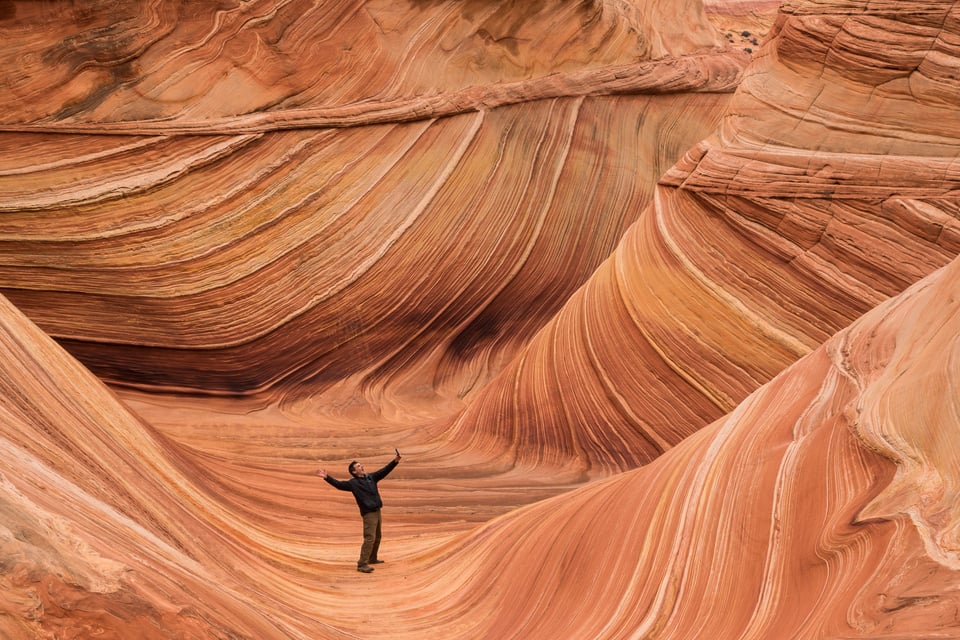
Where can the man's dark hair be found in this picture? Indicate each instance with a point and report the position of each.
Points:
(352, 467)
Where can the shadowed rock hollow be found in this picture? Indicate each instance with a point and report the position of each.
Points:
(659, 301)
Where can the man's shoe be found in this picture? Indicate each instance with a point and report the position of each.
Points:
(365, 568)
(376, 562)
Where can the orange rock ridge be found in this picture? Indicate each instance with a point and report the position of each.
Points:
(665, 361)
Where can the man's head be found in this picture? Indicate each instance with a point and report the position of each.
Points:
(355, 469)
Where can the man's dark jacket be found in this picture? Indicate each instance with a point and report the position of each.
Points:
(365, 489)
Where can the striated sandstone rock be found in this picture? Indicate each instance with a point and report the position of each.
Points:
(796, 515)
(530, 244)
(103, 535)
(815, 200)
(269, 249)
(824, 506)
(229, 264)
(177, 65)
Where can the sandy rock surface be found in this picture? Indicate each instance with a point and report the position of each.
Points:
(658, 300)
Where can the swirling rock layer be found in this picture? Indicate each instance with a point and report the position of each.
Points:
(812, 203)
(186, 260)
(665, 360)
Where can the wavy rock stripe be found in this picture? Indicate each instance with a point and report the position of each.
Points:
(834, 175)
(715, 73)
(767, 237)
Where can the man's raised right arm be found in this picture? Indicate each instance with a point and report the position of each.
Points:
(339, 484)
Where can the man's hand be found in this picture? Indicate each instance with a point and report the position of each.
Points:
(322, 473)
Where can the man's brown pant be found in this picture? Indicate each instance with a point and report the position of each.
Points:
(371, 538)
